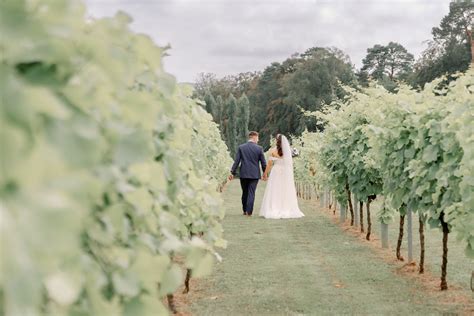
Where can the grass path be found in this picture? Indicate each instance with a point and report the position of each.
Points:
(303, 266)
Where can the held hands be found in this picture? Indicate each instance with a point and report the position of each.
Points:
(231, 177)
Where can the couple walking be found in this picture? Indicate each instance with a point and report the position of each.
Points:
(279, 200)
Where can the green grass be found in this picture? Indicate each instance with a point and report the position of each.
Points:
(304, 266)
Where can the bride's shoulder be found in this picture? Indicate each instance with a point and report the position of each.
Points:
(274, 153)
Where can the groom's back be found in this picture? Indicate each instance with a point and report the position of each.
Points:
(251, 154)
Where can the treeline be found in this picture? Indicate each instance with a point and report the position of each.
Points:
(280, 97)
(277, 96)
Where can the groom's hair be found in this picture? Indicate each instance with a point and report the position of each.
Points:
(252, 134)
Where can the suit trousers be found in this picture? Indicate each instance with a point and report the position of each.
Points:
(249, 186)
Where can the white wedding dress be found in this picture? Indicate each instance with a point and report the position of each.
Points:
(279, 200)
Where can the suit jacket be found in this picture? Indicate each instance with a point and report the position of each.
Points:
(249, 156)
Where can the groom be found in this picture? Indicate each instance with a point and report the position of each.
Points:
(249, 156)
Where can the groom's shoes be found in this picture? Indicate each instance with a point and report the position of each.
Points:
(245, 213)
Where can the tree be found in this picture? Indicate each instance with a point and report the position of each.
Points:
(362, 78)
(243, 118)
(451, 48)
(316, 80)
(233, 84)
(231, 128)
(217, 114)
(203, 84)
(241, 83)
(387, 64)
(267, 97)
(210, 104)
(456, 26)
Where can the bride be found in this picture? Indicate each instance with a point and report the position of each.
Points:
(279, 200)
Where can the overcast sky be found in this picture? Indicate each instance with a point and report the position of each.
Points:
(231, 36)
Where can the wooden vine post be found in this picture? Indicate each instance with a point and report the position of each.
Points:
(321, 199)
(384, 229)
(356, 212)
(342, 212)
(471, 39)
(410, 235)
(384, 234)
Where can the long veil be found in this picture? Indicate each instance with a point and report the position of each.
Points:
(288, 160)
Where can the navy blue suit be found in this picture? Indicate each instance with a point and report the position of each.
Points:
(249, 156)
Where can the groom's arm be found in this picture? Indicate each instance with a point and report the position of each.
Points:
(236, 163)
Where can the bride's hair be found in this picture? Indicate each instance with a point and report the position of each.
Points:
(279, 148)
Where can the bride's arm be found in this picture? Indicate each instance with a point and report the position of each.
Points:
(269, 166)
(267, 169)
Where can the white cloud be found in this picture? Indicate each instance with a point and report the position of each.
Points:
(231, 36)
